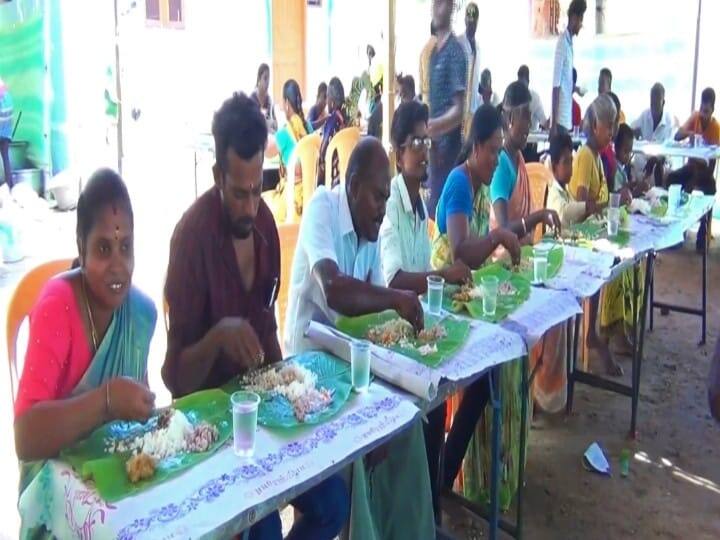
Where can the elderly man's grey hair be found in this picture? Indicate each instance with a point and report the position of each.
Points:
(601, 110)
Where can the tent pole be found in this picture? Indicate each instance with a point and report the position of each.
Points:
(389, 82)
(697, 55)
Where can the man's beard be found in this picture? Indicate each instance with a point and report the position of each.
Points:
(242, 228)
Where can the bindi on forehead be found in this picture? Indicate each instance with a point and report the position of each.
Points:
(117, 225)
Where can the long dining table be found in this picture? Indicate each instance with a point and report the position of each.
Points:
(224, 495)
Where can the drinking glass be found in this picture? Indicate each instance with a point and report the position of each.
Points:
(360, 365)
(489, 285)
(244, 411)
(674, 197)
(540, 262)
(614, 200)
(435, 285)
(613, 221)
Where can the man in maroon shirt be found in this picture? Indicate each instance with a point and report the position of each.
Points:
(222, 282)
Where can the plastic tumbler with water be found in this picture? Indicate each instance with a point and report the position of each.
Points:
(244, 411)
(489, 285)
(435, 285)
(613, 221)
(540, 262)
(360, 365)
(674, 198)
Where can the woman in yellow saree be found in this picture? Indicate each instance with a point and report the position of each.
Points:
(617, 304)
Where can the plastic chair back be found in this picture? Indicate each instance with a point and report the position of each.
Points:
(306, 153)
(343, 143)
(22, 302)
(540, 177)
(288, 233)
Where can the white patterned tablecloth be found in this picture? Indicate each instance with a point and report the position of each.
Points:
(224, 494)
(585, 271)
(487, 345)
(543, 310)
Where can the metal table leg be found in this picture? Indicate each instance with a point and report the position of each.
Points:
(636, 348)
(649, 273)
(491, 513)
(496, 403)
(572, 363)
(524, 396)
(707, 220)
(701, 311)
(652, 301)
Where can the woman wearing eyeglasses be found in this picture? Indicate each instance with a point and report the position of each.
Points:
(405, 242)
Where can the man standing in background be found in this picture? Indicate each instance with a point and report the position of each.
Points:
(448, 84)
(472, 96)
(537, 112)
(538, 120)
(563, 69)
(605, 81)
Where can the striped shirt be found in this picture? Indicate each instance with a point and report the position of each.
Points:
(563, 79)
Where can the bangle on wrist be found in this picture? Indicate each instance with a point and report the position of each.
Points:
(524, 227)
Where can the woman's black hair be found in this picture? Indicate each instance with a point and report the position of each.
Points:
(516, 95)
(624, 132)
(407, 85)
(264, 68)
(616, 101)
(708, 96)
(291, 92)
(104, 187)
(239, 125)
(485, 80)
(406, 116)
(485, 122)
(560, 143)
(577, 8)
(336, 92)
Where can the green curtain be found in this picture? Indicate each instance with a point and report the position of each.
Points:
(23, 68)
(31, 64)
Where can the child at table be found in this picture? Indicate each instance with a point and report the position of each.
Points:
(572, 212)
(559, 198)
(616, 163)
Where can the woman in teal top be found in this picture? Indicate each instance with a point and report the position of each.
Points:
(286, 139)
